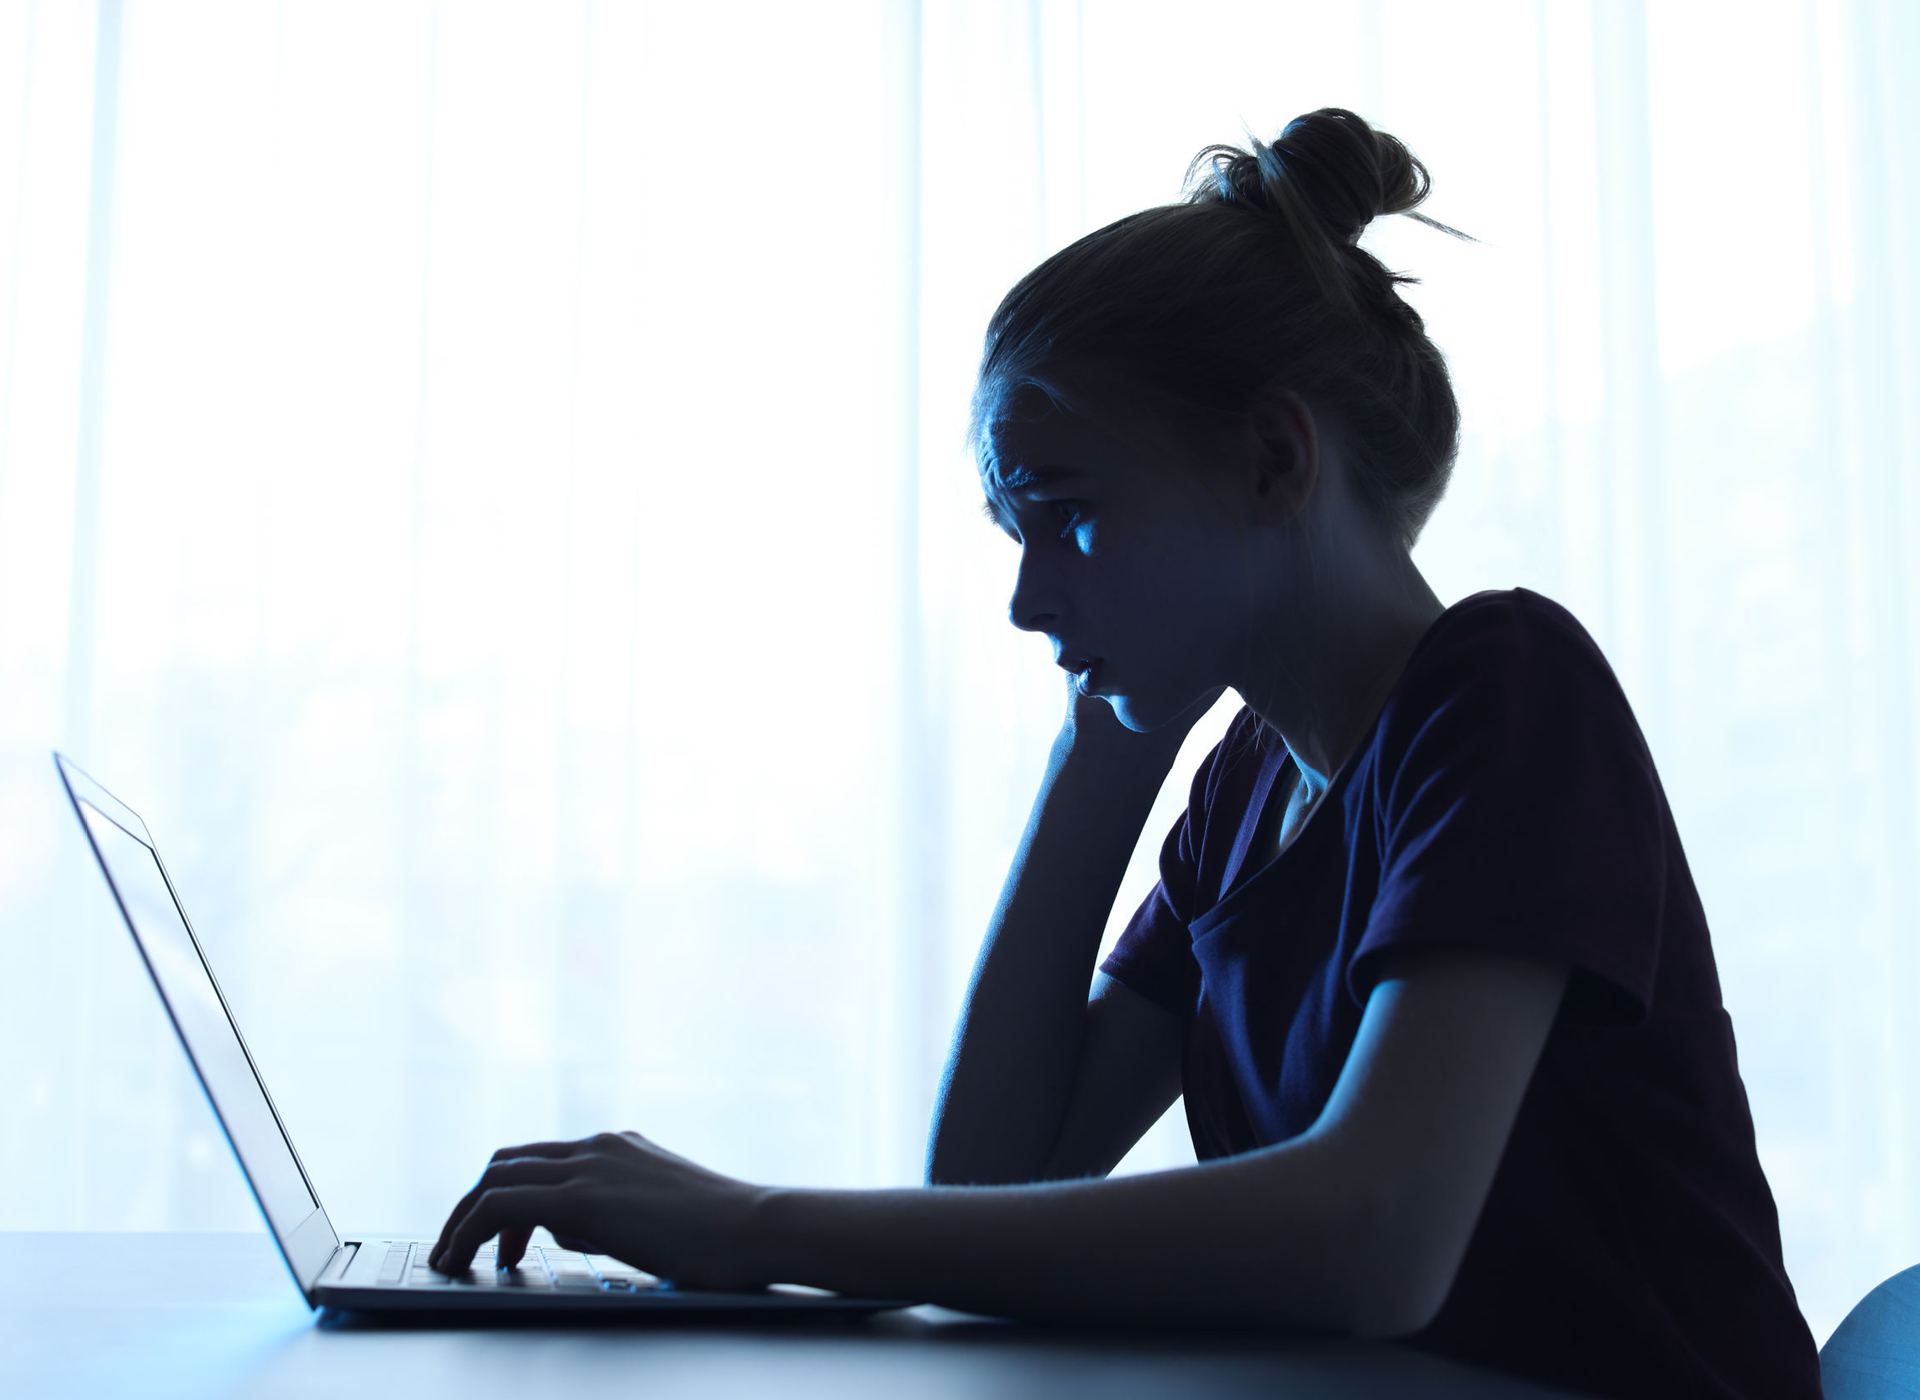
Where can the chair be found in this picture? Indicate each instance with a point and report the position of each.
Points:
(1875, 1353)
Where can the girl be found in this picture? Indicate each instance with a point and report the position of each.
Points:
(1425, 958)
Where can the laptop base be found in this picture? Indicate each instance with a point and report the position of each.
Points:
(551, 1283)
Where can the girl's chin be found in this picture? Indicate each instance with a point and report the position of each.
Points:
(1143, 715)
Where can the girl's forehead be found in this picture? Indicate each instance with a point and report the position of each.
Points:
(1048, 440)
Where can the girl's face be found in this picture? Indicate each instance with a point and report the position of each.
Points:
(1138, 567)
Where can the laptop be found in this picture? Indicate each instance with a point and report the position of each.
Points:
(363, 1273)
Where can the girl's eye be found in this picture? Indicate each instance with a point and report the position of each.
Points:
(1067, 514)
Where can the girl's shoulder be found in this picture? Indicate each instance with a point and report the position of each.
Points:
(1501, 678)
(1512, 664)
(1514, 626)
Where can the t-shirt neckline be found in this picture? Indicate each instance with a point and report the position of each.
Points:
(1238, 877)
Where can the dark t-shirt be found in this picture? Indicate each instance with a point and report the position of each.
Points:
(1504, 800)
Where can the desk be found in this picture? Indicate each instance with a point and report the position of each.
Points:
(216, 1315)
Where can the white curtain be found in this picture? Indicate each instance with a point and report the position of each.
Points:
(484, 482)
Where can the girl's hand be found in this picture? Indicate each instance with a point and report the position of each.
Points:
(614, 1193)
(1092, 724)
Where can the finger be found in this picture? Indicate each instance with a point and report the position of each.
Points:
(504, 1208)
(525, 1150)
(525, 1171)
(513, 1245)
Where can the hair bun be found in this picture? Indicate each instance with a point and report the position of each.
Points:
(1328, 164)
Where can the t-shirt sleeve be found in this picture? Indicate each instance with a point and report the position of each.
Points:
(1154, 953)
(1518, 811)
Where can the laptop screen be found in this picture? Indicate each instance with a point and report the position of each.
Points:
(203, 1022)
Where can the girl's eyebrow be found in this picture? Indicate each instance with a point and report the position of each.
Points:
(1019, 479)
(1025, 478)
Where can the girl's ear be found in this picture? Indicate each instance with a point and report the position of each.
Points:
(1285, 458)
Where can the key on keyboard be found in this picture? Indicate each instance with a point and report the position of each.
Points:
(540, 1268)
(394, 1264)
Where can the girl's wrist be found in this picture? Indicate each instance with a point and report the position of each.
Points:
(766, 1241)
(1134, 758)
(1105, 782)
(775, 1240)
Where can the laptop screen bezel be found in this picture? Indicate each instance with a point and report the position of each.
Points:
(312, 1242)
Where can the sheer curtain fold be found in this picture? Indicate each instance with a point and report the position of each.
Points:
(487, 484)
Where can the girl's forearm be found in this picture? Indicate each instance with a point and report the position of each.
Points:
(1010, 1075)
(1225, 1244)
(1359, 1224)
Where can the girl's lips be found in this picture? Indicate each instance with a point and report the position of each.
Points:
(1086, 676)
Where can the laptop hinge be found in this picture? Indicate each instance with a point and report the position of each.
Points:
(338, 1265)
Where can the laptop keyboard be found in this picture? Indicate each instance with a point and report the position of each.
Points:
(540, 1268)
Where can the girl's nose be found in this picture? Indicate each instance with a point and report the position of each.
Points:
(1033, 606)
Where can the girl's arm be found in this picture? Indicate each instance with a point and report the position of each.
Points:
(1042, 1081)
(1358, 1225)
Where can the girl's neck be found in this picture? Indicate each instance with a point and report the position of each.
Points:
(1319, 673)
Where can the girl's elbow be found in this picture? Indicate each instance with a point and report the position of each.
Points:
(1404, 1265)
(1395, 1306)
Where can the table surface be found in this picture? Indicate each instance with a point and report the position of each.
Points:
(159, 1315)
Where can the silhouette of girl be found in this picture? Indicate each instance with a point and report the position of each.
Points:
(1425, 957)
